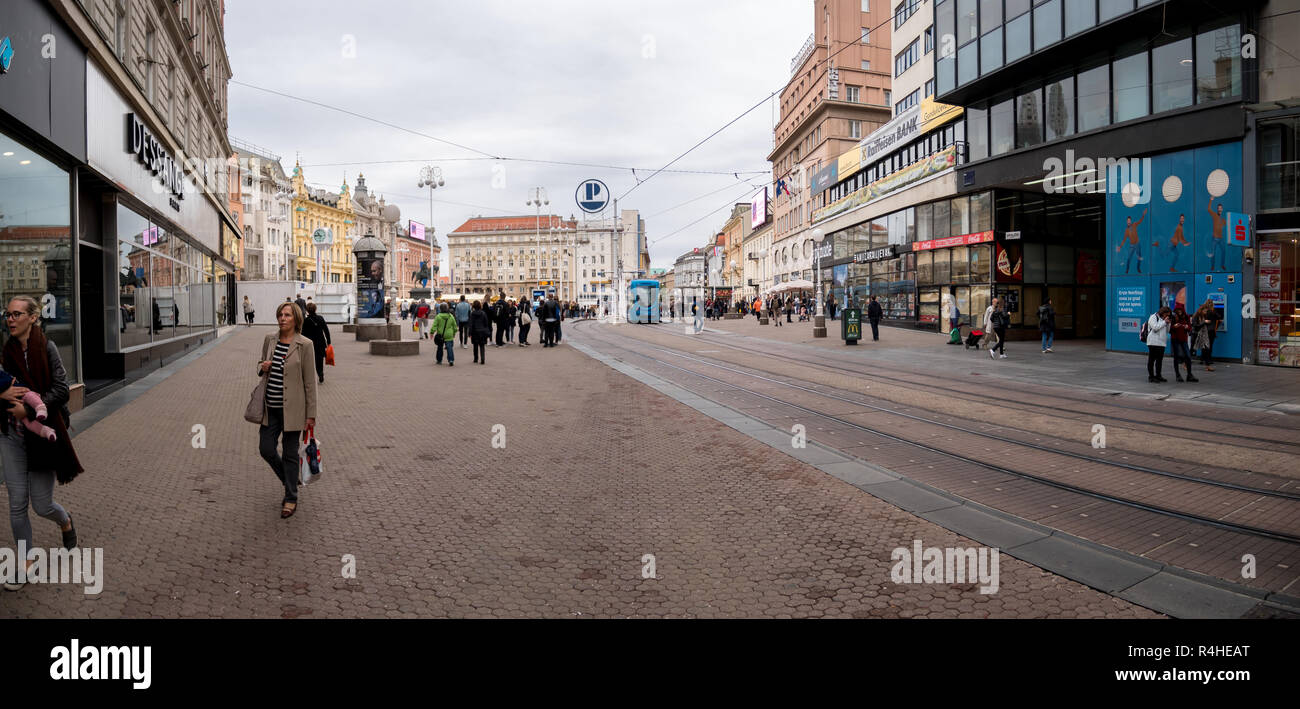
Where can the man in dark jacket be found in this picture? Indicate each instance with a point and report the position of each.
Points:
(1047, 324)
(315, 329)
(874, 313)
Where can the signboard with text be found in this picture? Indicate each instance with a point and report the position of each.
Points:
(963, 240)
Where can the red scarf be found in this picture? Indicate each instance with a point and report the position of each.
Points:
(34, 372)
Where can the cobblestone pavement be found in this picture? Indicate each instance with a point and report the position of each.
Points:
(597, 472)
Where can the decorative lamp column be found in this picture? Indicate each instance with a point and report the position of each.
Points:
(819, 319)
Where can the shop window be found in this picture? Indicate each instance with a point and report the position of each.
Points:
(925, 267)
(34, 220)
(1060, 263)
(960, 264)
(980, 271)
(978, 299)
(1218, 64)
(1014, 304)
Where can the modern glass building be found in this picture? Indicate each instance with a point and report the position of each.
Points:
(1110, 134)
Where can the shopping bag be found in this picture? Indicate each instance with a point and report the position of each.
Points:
(309, 467)
(329, 355)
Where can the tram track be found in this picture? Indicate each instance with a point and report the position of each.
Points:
(985, 397)
(1249, 504)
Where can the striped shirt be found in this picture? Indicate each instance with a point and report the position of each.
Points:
(275, 380)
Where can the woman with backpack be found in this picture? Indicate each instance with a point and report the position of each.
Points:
(444, 334)
(1205, 323)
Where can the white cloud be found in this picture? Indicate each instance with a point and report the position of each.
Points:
(556, 80)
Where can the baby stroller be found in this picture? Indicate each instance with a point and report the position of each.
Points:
(973, 339)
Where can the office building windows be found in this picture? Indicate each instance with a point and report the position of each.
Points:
(1094, 98)
(1059, 108)
(1047, 23)
(1171, 75)
(1218, 64)
(1131, 94)
(1001, 128)
(1079, 15)
(991, 51)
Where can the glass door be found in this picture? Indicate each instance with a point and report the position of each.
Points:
(1277, 341)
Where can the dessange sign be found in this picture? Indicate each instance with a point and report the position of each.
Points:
(141, 143)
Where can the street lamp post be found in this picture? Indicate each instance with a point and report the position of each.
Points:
(819, 319)
(537, 198)
(431, 177)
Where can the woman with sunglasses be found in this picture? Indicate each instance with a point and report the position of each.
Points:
(32, 464)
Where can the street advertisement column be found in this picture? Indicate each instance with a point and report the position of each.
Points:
(370, 287)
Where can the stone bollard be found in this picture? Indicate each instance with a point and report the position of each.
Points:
(819, 326)
(394, 348)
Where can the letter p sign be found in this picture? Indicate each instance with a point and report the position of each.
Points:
(592, 196)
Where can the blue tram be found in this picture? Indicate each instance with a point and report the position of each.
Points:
(643, 301)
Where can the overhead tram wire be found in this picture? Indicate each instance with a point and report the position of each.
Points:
(548, 162)
(485, 155)
(728, 203)
(768, 97)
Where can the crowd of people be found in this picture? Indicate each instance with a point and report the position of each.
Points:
(501, 321)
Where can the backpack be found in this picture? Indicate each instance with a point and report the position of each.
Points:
(1142, 334)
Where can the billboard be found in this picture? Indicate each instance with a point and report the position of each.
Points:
(416, 230)
(758, 209)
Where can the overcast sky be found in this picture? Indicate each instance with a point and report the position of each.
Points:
(612, 82)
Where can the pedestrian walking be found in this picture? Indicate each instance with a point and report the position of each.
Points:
(557, 332)
(444, 335)
(1001, 321)
(1157, 337)
(33, 464)
(500, 313)
(248, 312)
(874, 313)
(1047, 324)
(1206, 324)
(512, 317)
(789, 309)
(302, 304)
(462, 320)
(990, 334)
(290, 400)
(317, 330)
(422, 313)
(1180, 331)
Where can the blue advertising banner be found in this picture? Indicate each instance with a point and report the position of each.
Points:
(1173, 237)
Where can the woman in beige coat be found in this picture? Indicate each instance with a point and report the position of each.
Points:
(289, 363)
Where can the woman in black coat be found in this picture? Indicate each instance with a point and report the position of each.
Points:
(480, 329)
(317, 330)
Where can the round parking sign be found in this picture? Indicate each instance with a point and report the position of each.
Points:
(592, 196)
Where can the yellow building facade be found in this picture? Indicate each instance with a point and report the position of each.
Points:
(312, 210)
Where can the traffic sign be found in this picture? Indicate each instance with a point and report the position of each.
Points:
(592, 196)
